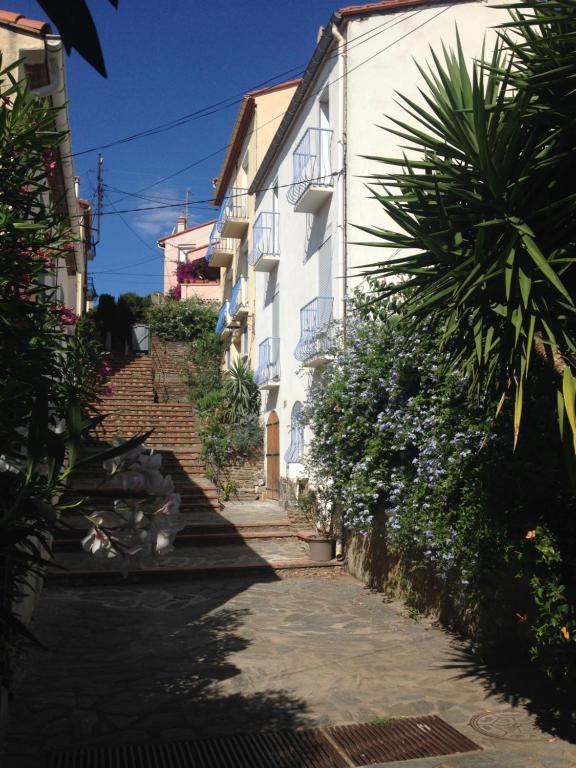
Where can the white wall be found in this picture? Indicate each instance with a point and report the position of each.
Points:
(295, 281)
(383, 54)
(380, 61)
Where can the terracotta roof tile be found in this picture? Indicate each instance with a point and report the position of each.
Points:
(382, 5)
(272, 88)
(28, 25)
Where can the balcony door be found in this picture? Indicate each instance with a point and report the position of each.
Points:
(273, 456)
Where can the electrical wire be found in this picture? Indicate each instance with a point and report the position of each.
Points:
(230, 100)
(389, 24)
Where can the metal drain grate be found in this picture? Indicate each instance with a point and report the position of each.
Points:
(404, 739)
(337, 747)
(282, 749)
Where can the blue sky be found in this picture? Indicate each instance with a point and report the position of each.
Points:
(165, 60)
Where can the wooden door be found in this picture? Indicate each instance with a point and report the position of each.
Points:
(273, 456)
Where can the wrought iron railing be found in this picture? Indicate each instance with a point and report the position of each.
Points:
(311, 163)
(295, 450)
(217, 243)
(239, 297)
(265, 235)
(268, 362)
(234, 207)
(222, 318)
(91, 293)
(316, 329)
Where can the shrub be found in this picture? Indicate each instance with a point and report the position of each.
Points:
(183, 320)
(397, 442)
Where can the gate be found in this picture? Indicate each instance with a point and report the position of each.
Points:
(273, 456)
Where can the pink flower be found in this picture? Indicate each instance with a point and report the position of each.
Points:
(105, 369)
(109, 389)
(531, 535)
(7, 102)
(49, 160)
(65, 315)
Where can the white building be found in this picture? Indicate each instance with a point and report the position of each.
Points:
(310, 190)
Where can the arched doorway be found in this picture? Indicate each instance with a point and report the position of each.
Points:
(273, 456)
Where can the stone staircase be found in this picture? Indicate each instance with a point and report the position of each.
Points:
(239, 538)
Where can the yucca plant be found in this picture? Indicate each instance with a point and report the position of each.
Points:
(483, 208)
(242, 392)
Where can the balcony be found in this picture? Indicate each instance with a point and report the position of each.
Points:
(267, 374)
(223, 319)
(265, 254)
(312, 179)
(220, 251)
(239, 299)
(316, 333)
(233, 216)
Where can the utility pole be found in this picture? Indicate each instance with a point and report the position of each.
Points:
(188, 196)
(99, 198)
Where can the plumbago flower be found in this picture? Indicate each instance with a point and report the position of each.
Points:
(394, 432)
(136, 530)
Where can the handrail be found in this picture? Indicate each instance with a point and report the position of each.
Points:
(268, 361)
(238, 298)
(222, 321)
(265, 236)
(316, 328)
(234, 206)
(311, 163)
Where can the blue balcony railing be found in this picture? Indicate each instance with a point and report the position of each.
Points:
(316, 330)
(265, 235)
(218, 244)
(239, 298)
(268, 371)
(233, 212)
(311, 163)
(222, 318)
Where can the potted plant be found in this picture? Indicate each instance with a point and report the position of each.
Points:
(317, 509)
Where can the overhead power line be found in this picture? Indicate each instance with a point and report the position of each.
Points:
(384, 27)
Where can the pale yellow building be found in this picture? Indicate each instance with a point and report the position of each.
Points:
(237, 235)
(41, 62)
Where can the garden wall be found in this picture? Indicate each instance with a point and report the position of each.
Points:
(368, 559)
(170, 360)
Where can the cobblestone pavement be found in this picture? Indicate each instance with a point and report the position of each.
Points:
(148, 663)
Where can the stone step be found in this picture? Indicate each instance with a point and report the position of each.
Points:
(192, 535)
(271, 570)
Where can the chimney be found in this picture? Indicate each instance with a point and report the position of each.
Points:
(181, 223)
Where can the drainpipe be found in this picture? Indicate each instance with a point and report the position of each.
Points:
(342, 205)
(342, 172)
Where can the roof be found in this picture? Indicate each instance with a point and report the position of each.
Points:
(324, 43)
(19, 22)
(241, 124)
(189, 229)
(383, 5)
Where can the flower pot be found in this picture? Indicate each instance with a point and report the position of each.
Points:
(321, 547)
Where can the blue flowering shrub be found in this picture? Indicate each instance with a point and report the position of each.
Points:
(407, 453)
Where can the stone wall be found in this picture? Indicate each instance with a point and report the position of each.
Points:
(368, 559)
(170, 361)
(247, 475)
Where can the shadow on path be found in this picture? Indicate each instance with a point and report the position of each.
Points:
(140, 664)
(512, 680)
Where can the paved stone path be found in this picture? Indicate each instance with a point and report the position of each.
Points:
(146, 663)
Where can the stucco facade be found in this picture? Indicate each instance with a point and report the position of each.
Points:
(187, 245)
(41, 62)
(232, 238)
(314, 176)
